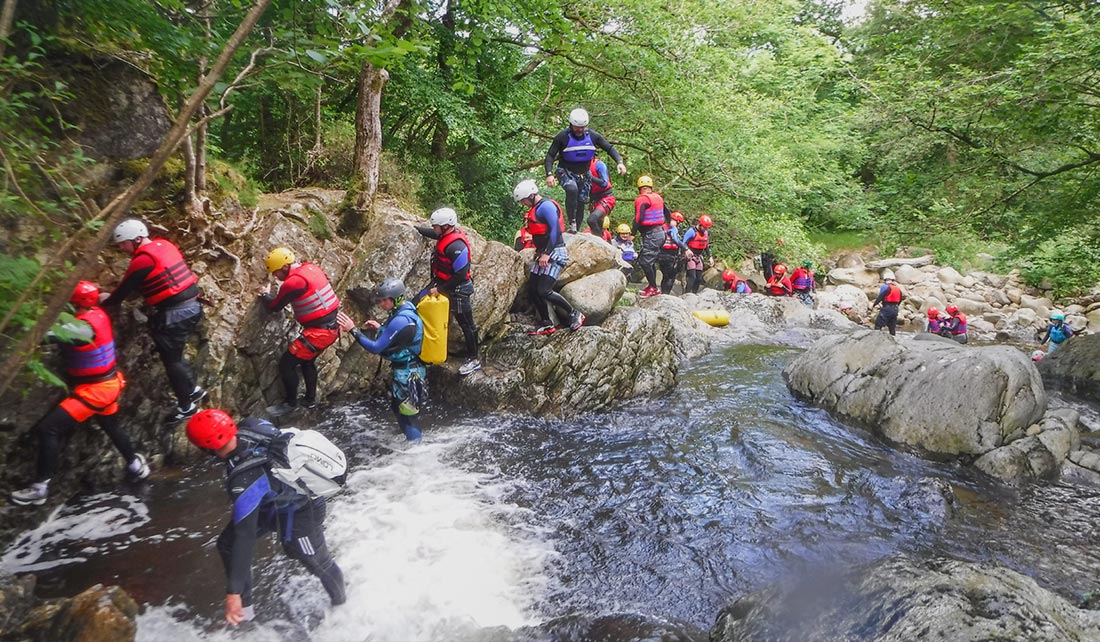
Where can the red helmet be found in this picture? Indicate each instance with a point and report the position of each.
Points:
(952, 309)
(211, 429)
(933, 313)
(678, 217)
(704, 221)
(729, 276)
(779, 269)
(85, 294)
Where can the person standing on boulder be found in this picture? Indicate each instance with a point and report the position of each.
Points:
(451, 276)
(545, 222)
(573, 148)
(1057, 332)
(890, 296)
(955, 325)
(159, 272)
(88, 348)
(803, 283)
(650, 220)
(398, 341)
(670, 258)
(306, 288)
(697, 240)
(261, 505)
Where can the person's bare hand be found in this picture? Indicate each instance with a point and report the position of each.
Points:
(622, 169)
(234, 611)
(372, 325)
(544, 260)
(346, 323)
(434, 291)
(551, 181)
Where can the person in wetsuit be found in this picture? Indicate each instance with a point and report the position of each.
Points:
(261, 504)
(890, 296)
(651, 221)
(159, 272)
(573, 149)
(306, 288)
(670, 257)
(399, 341)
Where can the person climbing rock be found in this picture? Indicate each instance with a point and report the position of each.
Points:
(1057, 332)
(88, 349)
(546, 223)
(735, 284)
(650, 221)
(451, 265)
(398, 341)
(573, 149)
(890, 296)
(935, 320)
(955, 324)
(779, 284)
(602, 199)
(306, 288)
(671, 256)
(697, 241)
(261, 504)
(803, 284)
(159, 272)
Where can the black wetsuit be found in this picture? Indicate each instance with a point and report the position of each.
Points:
(573, 176)
(459, 288)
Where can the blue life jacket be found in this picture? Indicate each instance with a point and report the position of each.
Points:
(403, 355)
(579, 150)
(1058, 333)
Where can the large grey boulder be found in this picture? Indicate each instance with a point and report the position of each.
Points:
(1074, 367)
(596, 294)
(588, 254)
(902, 599)
(859, 277)
(908, 275)
(941, 398)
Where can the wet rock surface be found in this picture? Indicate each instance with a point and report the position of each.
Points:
(99, 614)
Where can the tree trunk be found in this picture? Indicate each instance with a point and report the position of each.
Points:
(200, 155)
(118, 208)
(7, 16)
(190, 173)
(359, 212)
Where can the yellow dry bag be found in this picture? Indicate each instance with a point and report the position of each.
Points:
(717, 318)
(435, 311)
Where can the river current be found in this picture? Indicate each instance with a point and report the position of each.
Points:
(508, 528)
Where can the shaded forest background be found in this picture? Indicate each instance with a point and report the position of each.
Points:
(968, 128)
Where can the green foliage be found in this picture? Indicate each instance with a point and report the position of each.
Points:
(1070, 264)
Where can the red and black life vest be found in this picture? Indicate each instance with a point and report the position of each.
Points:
(670, 243)
(654, 214)
(802, 279)
(319, 299)
(442, 266)
(536, 227)
(700, 241)
(93, 361)
(779, 287)
(170, 274)
(960, 327)
(597, 192)
(893, 294)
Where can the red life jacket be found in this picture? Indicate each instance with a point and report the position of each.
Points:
(961, 327)
(893, 294)
(654, 215)
(93, 361)
(442, 266)
(535, 227)
(319, 299)
(170, 274)
(670, 244)
(597, 192)
(779, 287)
(700, 241)
(802, 279)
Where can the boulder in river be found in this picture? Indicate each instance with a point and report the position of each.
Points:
(1074, 367)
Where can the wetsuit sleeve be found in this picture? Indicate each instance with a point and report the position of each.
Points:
(601, 142)
(386, 336)
(676, 238)
(556, 146)
(291, 289)
(1068, 330)
(1044, 334)
(140, 267)
(248, 494)
(427, 232)
(601, 178)
(688, 235)
(640, 206)
(459, 254)
(547, 212)
(881, 295)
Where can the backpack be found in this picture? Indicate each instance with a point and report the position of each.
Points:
(304, 460)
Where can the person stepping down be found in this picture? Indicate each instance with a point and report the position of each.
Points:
(451, 275)
(88, 348)
(308, 291)
(650, 220)
(573, 148)
(159, 272)
(546, 223)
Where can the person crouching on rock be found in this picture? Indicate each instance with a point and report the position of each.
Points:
(308, 291)
(546, 223)
(890, 296)
(735, 284)
(88, 348)
(955, 325)
(261, 504)
(935, 320)
(399, 340)
(779, 284)
(1057, 332)
(803, 283)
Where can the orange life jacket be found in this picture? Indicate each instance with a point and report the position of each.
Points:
(93, 361)
(170, 274)
(700, 241)
(654, 215)
(318, 300)
(442, 266)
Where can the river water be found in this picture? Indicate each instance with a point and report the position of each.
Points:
(613, 527)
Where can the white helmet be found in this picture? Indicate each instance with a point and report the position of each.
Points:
(444, 216)
(525, 189)
(888, 275)
(129, 230)
(578, 117)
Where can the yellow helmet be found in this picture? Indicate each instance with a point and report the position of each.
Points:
(645, 181)
(623, 228)
(278, 259)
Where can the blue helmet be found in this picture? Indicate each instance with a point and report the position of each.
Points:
(1057, 316)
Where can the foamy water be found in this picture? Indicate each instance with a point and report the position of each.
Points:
(429, 552)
